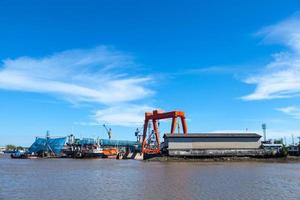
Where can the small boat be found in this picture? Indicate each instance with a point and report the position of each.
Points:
(19, 155)
(32, 157)
(91, 151)
(110, 153)
(10, 151)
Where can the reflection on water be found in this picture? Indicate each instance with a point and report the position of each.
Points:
(128, 179)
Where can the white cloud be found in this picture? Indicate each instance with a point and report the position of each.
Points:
(100, 75)
(124, 115)
(232, 131)
(93, 75)
(291, 110)
(271, 133)
(87, 123)
(281, 77)
(230, 69)
(211, 70)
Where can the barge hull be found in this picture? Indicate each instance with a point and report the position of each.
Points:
(220, 153)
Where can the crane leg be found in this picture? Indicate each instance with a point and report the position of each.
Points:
(156, 132)
(144, 135)
(173, 127)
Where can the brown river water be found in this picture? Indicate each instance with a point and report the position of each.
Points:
(55, 179)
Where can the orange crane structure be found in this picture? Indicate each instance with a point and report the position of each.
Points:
(154, 116)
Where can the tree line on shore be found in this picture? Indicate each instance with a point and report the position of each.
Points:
(11, 147)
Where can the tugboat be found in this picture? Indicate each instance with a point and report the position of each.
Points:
(92, 151)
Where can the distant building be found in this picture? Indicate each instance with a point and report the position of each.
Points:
(213, 141)
(219, 144)
(271, 147)
(293, 150)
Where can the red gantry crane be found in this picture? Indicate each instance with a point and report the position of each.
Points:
(154, 116)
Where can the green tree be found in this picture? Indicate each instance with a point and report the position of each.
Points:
(10, 147)
(278, 141)
(20, 148)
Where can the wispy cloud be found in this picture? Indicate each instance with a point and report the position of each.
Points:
(76, 75)
(271, 133)
(281, 77)
(291, 110)
(231, 131)
(87, 123)
(218, 70)
(211, 70)
(124, 115)
(98, 75)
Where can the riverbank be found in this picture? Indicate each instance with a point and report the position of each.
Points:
(223, 159)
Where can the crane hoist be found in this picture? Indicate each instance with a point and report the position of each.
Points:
(108, 130)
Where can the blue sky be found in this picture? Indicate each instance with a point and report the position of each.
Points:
(73, 65)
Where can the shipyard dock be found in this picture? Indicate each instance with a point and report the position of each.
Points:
(149, 144)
